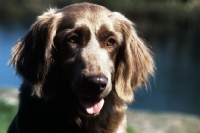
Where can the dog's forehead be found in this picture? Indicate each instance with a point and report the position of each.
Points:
(86, 14)
(84, 8)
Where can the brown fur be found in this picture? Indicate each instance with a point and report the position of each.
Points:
(64, 50)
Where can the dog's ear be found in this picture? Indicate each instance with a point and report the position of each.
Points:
(32, 55)
(134, 61)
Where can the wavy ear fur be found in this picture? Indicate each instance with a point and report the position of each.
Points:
(134, 61)
(32, 55)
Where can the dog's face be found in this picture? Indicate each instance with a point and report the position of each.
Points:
(89, 50)
(88, 47)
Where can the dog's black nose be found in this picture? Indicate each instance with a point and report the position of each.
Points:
(96, 83)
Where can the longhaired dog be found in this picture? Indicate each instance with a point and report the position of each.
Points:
(79, 65)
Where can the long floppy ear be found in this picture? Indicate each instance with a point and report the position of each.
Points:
(134, 61)
(32, 55)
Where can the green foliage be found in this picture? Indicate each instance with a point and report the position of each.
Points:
(153, 18)
(15, 10)
(7, 113)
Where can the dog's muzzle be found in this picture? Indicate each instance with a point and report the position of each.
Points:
(91, 93)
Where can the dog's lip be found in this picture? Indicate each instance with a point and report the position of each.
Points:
(91, 105)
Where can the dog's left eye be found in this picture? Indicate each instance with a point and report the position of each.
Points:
(111, 42)
(73, 39)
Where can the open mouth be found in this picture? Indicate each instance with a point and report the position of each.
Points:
(91, 105)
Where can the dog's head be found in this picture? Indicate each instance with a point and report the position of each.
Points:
(88, 49)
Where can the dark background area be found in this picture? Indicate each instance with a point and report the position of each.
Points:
(170, 27)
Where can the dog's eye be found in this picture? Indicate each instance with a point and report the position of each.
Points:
(111, 42)
(73, 39)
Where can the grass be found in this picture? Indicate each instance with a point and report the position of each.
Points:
(131, 130)
(7, 113)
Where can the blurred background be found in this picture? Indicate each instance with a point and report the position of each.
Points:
(170, 27)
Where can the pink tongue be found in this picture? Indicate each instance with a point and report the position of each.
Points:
(92, 107)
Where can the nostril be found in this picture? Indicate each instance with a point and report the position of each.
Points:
(103, 82)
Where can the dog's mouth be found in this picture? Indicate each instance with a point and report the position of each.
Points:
(91, 105)
(91, 92)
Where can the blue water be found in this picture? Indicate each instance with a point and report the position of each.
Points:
(176, 87)
(8, 38)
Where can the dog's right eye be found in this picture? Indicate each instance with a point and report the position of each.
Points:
(73, 39)
(111, 42)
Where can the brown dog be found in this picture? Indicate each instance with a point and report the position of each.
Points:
(79, 65)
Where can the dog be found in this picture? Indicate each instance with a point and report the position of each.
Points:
(80, 65)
